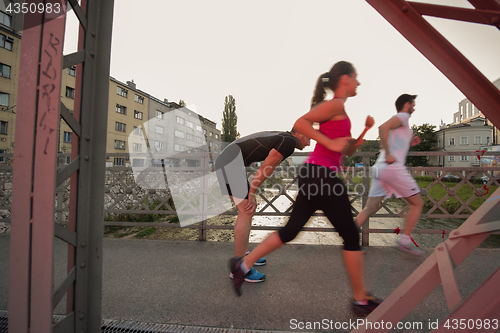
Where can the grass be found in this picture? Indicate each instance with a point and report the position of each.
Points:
(145, 232)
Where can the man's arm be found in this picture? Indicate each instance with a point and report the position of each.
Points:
(383, 131)
(265, 171)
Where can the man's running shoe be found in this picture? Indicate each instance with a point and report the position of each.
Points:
(253, 276)
(410, 249)
(365, 310)
(260, 262)
(237, 273)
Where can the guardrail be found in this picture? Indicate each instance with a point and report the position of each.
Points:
(124, 196)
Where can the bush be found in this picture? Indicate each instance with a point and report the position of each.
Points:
(145, 232)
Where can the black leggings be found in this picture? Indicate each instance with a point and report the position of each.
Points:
(321, 189)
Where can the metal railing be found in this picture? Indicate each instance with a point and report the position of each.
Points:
(124, 196)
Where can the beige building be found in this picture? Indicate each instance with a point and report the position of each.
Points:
(10, 49)
(65, 136)
(467, 111)
(465, 136)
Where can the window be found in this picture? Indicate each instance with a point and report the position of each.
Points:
(451, 158)
(178, 147)
(464, 140)
(121, 91)
(70, 92)
(464, 158)
(139, 99)
(121, 109)
(137, 130)
(137, 114)
(439, 143)
(4, 99)
(71, 70)
(466, 110)
(5, 19)
(158, 145)
(179, 134)
(189, 124)
(487, 140)
(120, 126)
(119, 144)
(67, 136)
(159, 114)
(159, 129)
(198, 128)
(205, 131)
(68, 160)
(211, 134)
(217, 137)
(199, 140)
(6, 42)
(5, 71)
(451, 142)
(179, 120)
(2, 158)
(137, 147)
(475, 160)
(119, 161)
(3, 127)
(477, 139)
(190, 137)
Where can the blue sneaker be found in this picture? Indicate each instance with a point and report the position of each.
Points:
(260, 262)
(252, 276)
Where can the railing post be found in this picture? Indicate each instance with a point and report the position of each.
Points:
(366, 185)
(204, 197)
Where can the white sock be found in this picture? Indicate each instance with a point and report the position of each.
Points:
(405, 240)
(244, 267)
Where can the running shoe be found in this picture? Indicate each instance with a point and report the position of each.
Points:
(410, 249)
(253, 276)
(260, 262)
(365, 310)
(237, 273)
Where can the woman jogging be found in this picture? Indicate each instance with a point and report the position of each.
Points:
(320, 188)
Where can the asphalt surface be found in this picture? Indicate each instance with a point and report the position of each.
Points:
(187, 283)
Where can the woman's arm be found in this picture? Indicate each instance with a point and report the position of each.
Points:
(354, 144)
(319, 114)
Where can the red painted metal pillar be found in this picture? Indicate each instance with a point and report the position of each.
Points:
(32, 233)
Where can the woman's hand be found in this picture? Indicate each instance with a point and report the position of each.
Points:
(369, 122)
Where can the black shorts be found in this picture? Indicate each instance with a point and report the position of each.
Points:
(231, 173)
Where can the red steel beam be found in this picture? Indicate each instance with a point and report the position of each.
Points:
(47, 122)
(458, 69)
(480, 16)
(19, 261)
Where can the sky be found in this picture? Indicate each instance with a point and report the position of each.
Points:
(269, 54)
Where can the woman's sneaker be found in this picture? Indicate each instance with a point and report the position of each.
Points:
(409, 248)
(260, 262)
(364, 310)
(253, 276)
(237, 273)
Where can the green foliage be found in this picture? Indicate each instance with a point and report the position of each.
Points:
(145, 232)
(426, 132)
(437, 192)
(229, 120)
(368, 145)
(182, 103)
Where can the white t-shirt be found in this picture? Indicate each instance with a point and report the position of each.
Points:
(399, 140)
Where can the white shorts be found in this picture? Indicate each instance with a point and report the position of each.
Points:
(389, 179)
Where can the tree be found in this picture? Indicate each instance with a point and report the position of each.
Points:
(182, 103)
(229, 120)
(427, 134)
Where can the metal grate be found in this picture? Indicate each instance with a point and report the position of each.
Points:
(123, 326)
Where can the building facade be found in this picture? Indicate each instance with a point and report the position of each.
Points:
(10, 49)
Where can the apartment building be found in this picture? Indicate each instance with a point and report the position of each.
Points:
(468, 111)
(10, 48)
(470, 136)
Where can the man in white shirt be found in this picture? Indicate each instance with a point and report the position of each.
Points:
(390, 175)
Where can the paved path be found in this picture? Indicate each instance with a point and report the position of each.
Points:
(181, 282)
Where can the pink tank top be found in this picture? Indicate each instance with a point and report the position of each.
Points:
(324, 156)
